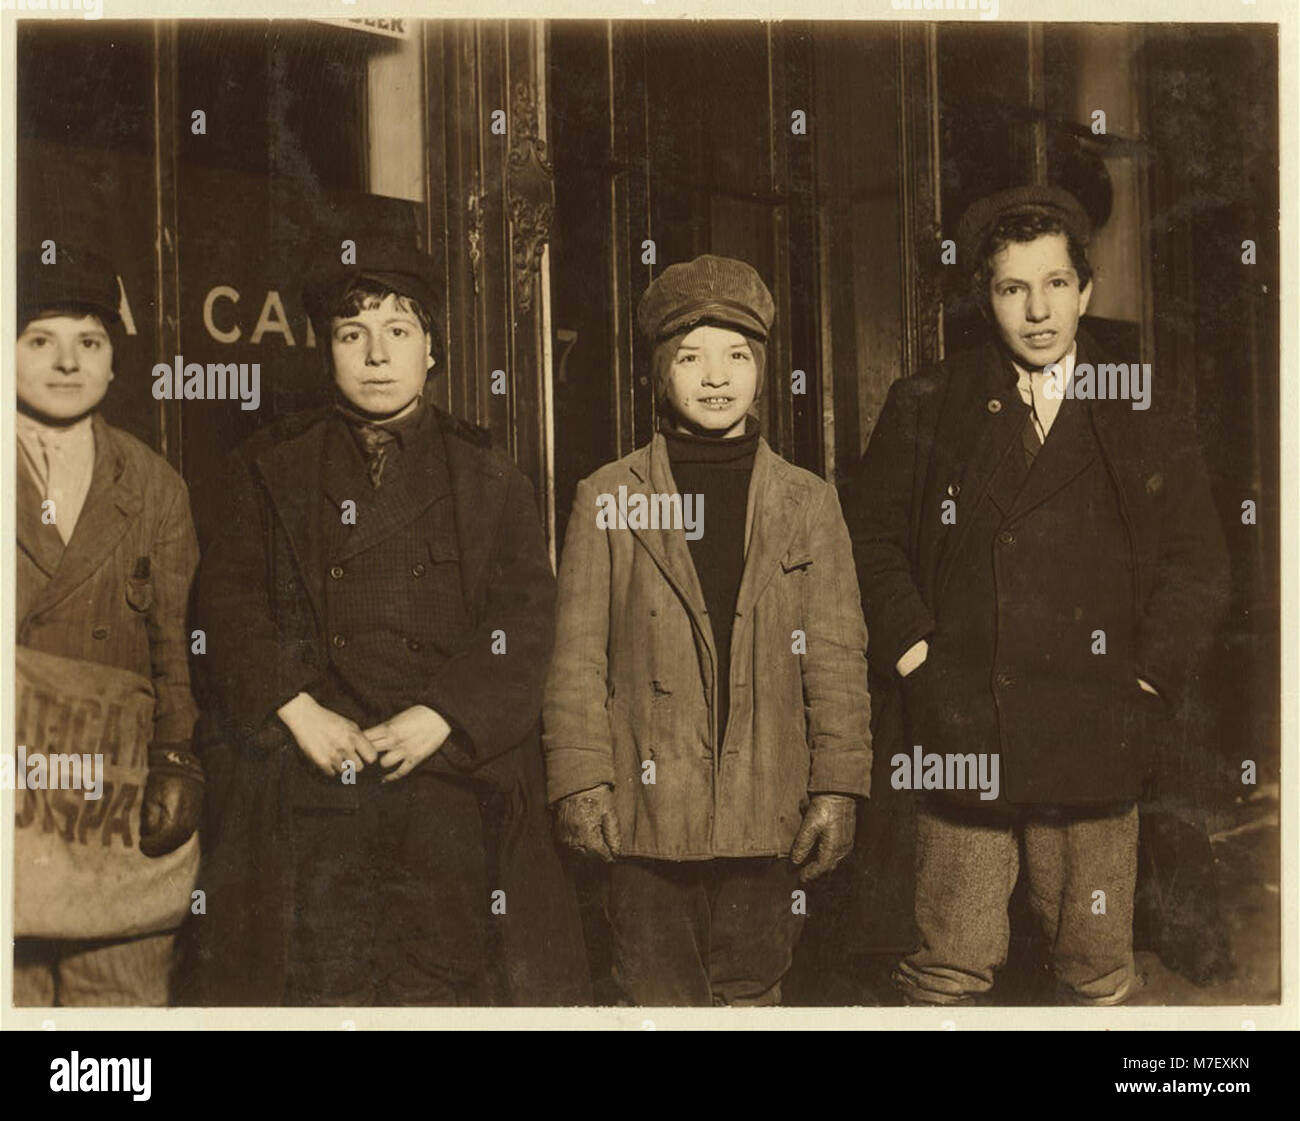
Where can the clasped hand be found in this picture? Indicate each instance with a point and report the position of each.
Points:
(332, 742)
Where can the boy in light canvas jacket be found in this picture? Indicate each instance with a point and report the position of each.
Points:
(706, 714)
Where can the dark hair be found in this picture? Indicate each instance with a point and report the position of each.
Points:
(364, 294)
(112, 327)
(1021, 227)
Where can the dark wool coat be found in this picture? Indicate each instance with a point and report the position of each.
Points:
(454, 554)
(1068, 726)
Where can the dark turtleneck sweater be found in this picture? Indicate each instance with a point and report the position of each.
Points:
(719, 469)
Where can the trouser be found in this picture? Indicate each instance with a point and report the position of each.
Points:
(122, 973)
(703, 932)
(1081, 871)
(390, 898)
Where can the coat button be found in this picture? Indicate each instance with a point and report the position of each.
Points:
(336, 572)
(99, 632)
(339, 641)
(1006, 537)
(418, 569)
(994, 405)
(954, 489)
(414, 645)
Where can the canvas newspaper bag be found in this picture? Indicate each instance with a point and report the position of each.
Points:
(78, 869)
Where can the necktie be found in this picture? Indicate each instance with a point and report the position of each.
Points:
(375, 440)
(1035, 431)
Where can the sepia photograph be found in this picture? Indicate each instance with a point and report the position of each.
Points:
(633, 510)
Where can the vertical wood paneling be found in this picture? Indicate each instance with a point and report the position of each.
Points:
(167, 327)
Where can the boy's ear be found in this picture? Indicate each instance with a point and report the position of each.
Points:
(1085, 295)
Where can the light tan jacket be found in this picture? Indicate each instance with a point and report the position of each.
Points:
(632, 680)
(117, 594)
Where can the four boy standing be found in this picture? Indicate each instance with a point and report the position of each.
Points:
(379, 615)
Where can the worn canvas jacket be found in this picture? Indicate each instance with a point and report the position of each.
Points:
(633, 679)
(117, 594)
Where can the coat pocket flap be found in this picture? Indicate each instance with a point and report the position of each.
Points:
(443, 551)
(795, 559)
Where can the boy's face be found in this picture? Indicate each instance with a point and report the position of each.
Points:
(713, 381)
(381, 357)
(64, 364)
(1035, 298)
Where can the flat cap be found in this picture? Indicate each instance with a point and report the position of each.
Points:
(708, 289)
(76, 277)
(981, 216)
(398, 266)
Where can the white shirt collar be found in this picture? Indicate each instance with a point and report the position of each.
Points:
(55, 435)
(1067, 361)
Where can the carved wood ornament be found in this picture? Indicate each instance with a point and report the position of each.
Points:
(530, 195)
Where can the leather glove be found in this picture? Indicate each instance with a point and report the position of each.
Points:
(173, 800)
(829, 823)
(585, 823)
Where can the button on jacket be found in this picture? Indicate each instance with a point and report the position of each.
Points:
(403, 609)
(117, 593)
(634, 675)
(1113, 530)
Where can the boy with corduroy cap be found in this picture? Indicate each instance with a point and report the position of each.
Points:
(706, 714)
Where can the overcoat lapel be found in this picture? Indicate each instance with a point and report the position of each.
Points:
(383, 511)
(775, 498)
(651, 473)
(113, 503)
(980, 433)
(772, 522)
(478, 495)
(290, 471)
(41, 542)
(1068, 451)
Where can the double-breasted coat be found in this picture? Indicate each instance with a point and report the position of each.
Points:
(118, 592)
(455, 589)
(1063, 708)
(633, 681)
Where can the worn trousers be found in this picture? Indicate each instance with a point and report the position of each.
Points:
(122, 973)
(700, 933)
(390, 898)
(1081, 872)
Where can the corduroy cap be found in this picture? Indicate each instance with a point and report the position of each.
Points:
(708, 289)
(393, 265)
(75, 278)
(980, 216)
